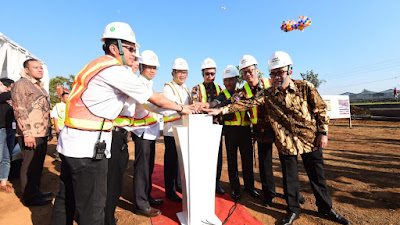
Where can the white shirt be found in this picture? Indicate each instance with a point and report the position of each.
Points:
(104, 97)
(58, 111)
(184, 99)
(151, 132)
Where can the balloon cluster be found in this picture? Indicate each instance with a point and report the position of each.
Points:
(301, 24)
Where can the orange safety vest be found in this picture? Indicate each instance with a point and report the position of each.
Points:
(239, 119)
(167, 119)
(203, 92)
(77, 115)
(249, 94)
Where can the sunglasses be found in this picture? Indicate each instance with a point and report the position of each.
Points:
(130, 48)
(209, 74)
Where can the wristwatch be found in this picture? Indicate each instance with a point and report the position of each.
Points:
(324, 133)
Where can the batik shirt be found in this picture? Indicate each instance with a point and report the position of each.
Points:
(296, 115)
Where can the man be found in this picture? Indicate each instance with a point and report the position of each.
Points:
(32, 112)
(7, 134)
(177, 91)
(205, 93)
(97, 97)
(58, 115)
(298, 115)
(145, 132)
(237, 134)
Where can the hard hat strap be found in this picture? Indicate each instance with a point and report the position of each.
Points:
(121, 52)
(142, 72)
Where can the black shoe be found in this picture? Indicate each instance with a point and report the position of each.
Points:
(149, 212)
(236, 195)
(43, 194)
(38, 202)
(289, 218)
(179, 190)
(174, 197)
(302, 200)
(253, 193)
(335, 216)
(219, 190)
(268, 202)
(155, 202)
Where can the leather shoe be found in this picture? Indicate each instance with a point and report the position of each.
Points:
(155, 202)
(253, 193)
(289, 218)
(149, 212)
(174, 197)
(335, 216)
(38, 202)
(43, 194)
(268, 202)
(236, 195)
(219, 190)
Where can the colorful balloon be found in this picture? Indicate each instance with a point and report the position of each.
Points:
(301, 24)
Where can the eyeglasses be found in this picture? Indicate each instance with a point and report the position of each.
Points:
(209, 74)
(279, 73)
(182, 72)
(250, 71)
(130, 48)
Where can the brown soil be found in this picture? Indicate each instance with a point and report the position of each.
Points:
(362, 168)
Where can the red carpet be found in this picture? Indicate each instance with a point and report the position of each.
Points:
(169, 209)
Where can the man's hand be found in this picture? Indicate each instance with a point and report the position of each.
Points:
(30, 142)
(201, 105)
(322, 141)
(212, 112)
(187, 109)
(57, 130)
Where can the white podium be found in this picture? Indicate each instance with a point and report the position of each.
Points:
(197, 142)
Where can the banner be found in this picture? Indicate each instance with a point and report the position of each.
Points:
(338, 106)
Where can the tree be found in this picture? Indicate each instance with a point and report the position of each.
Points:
(312, 77)
(241, 80)
(65, 82)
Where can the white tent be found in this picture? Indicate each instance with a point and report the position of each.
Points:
(12, 56)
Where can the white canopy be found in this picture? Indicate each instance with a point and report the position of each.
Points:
(12, 56)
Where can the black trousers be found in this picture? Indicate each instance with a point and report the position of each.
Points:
(172, 179)
(219, 164)
(314, 165)
(83, 188)
(32, 167)
(143, 169)
(239, 137)
(116, 168)
(266, 169)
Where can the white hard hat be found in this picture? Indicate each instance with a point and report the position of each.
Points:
(180, 64)
(208, 63)
(149, 58)
(119, 30)
(230, 71)
(247, 60)
(278, 60)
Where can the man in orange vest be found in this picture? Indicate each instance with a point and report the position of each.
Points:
(176, 91)
(97, 97)
(205, 93)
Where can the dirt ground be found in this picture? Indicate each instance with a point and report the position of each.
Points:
(362, 168)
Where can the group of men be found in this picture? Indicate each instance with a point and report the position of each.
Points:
(108, 100)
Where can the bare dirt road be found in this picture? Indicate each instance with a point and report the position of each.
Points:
(362, 167)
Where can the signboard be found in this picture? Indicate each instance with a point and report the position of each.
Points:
(338, 106)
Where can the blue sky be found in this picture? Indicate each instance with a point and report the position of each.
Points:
(351, 44)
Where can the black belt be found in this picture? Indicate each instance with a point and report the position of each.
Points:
(121, 130)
